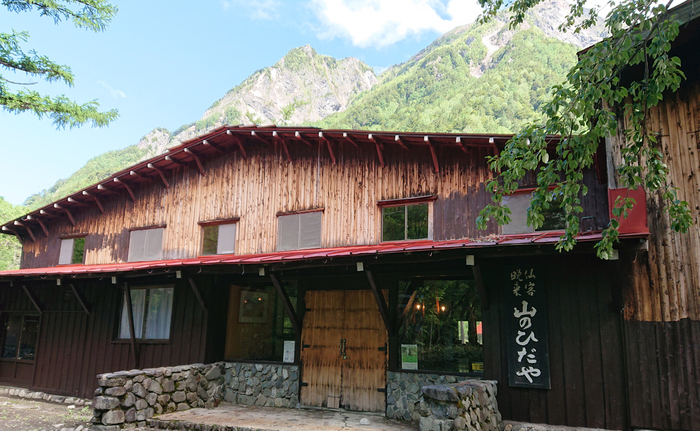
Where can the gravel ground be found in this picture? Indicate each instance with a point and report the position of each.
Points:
(18, 414)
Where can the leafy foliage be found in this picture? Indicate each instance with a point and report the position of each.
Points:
(641, 35)
(10, 248)
(96, 169)
(92, 15)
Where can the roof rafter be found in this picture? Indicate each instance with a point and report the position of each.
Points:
(379, 147)
(277, 137)
(128, 189)
(328, 144)
(432, 153)
(29, 231)
(70, 216)
(41, 223)
(196, 159)
(162, 174)
(97, 201)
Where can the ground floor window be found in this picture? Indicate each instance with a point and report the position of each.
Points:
(152, 310)
(441, 327)
(258, 326)
(19, 336)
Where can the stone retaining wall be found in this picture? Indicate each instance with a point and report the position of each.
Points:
(404, 394)
(34, 395)
(130, 398)
(470, 405)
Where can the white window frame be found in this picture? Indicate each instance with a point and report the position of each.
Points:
(226, 236)
(140, 240)
(406, 202)
(66, 251)
(141, 314)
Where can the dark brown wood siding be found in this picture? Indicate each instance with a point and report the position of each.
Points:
(585, 346)
(74, 347)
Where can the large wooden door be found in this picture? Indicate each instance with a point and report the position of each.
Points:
(349, 319)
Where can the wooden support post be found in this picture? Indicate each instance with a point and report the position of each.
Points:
(398, 140)
(97, 201)
(196, 159)
(459, 142)
(41, 223)
(210, 145)
(128, 189)
(287, 304)
(328, 144)
(81, 298)
(132, 331)
(379, 149)
(32, 298)
(70, 216)
(29, 231)
(432, 153)
(298, 136)
(383, 309)
(483, 294)
(162, 175)
(198, 294)
(276, 135)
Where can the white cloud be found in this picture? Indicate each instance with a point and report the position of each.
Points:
(256, 9)
(381, 23)
(117, 94)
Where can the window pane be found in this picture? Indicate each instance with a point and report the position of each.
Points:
(518, 205)
(554, 217)
(288, 232)
(138, 303)
(30, 331)
(66, 252)
(160, 306)
(211, 238)
(137, 244)
(258, 325)
(226, 239)
(310, 230)
(393, 223)
(441, 330)
(154, 244)
(13, 328)
(78, 250)
(417, 216)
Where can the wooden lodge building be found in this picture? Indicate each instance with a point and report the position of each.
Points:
(355, 256)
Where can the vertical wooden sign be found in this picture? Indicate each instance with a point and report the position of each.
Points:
(525, 319)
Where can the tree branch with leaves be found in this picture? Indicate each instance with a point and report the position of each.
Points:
(587, 108)
(93, 15)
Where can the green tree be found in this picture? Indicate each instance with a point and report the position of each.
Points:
(585, 109)
(91, 15)
(10, 248)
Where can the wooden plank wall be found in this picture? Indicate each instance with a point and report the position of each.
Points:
(258, 187)
(74, 348)
(585, 347)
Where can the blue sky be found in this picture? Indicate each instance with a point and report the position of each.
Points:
(163, 63)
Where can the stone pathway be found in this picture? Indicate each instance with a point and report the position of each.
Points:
(230, 416)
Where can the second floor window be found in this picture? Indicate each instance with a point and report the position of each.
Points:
(72, 251)
(219, 239)
(299, 231)
(404, 222)
(519, 202)
(146, 244)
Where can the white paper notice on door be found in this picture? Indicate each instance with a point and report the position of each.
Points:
(288, 351)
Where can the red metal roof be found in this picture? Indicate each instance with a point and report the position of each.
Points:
(540, 238)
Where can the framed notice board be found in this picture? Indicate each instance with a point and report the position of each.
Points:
(525, 319)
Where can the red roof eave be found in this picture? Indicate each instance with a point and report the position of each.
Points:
(538, 238)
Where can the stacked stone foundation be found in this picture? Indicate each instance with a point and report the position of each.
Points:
(470, 405)
(127, 399)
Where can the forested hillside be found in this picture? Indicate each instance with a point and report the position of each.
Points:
(10, 249)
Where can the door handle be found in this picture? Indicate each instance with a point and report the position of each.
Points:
(342, 348)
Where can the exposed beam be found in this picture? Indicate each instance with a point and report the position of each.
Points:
(177, 162)
(196, 159)
(238, 141)
(256, 135)
(483, 295)
(459, 142)
(197, 293)
(128, 189)
(105, 189)
(19, 238)
(432, 153)
(41, 223)
(161, 173)
(97, 201)
(74, 201)
(287, 304)
(137, 175)
(398, 140)
(70, 216)
(328, 144)
(216, 148)
(81, 299)
(383, 309)
(132, 331)
(350, 139)
(379, 149)
(298, 136)
(32, 298)
(29, 231)
(276, 136)
(492, 143)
